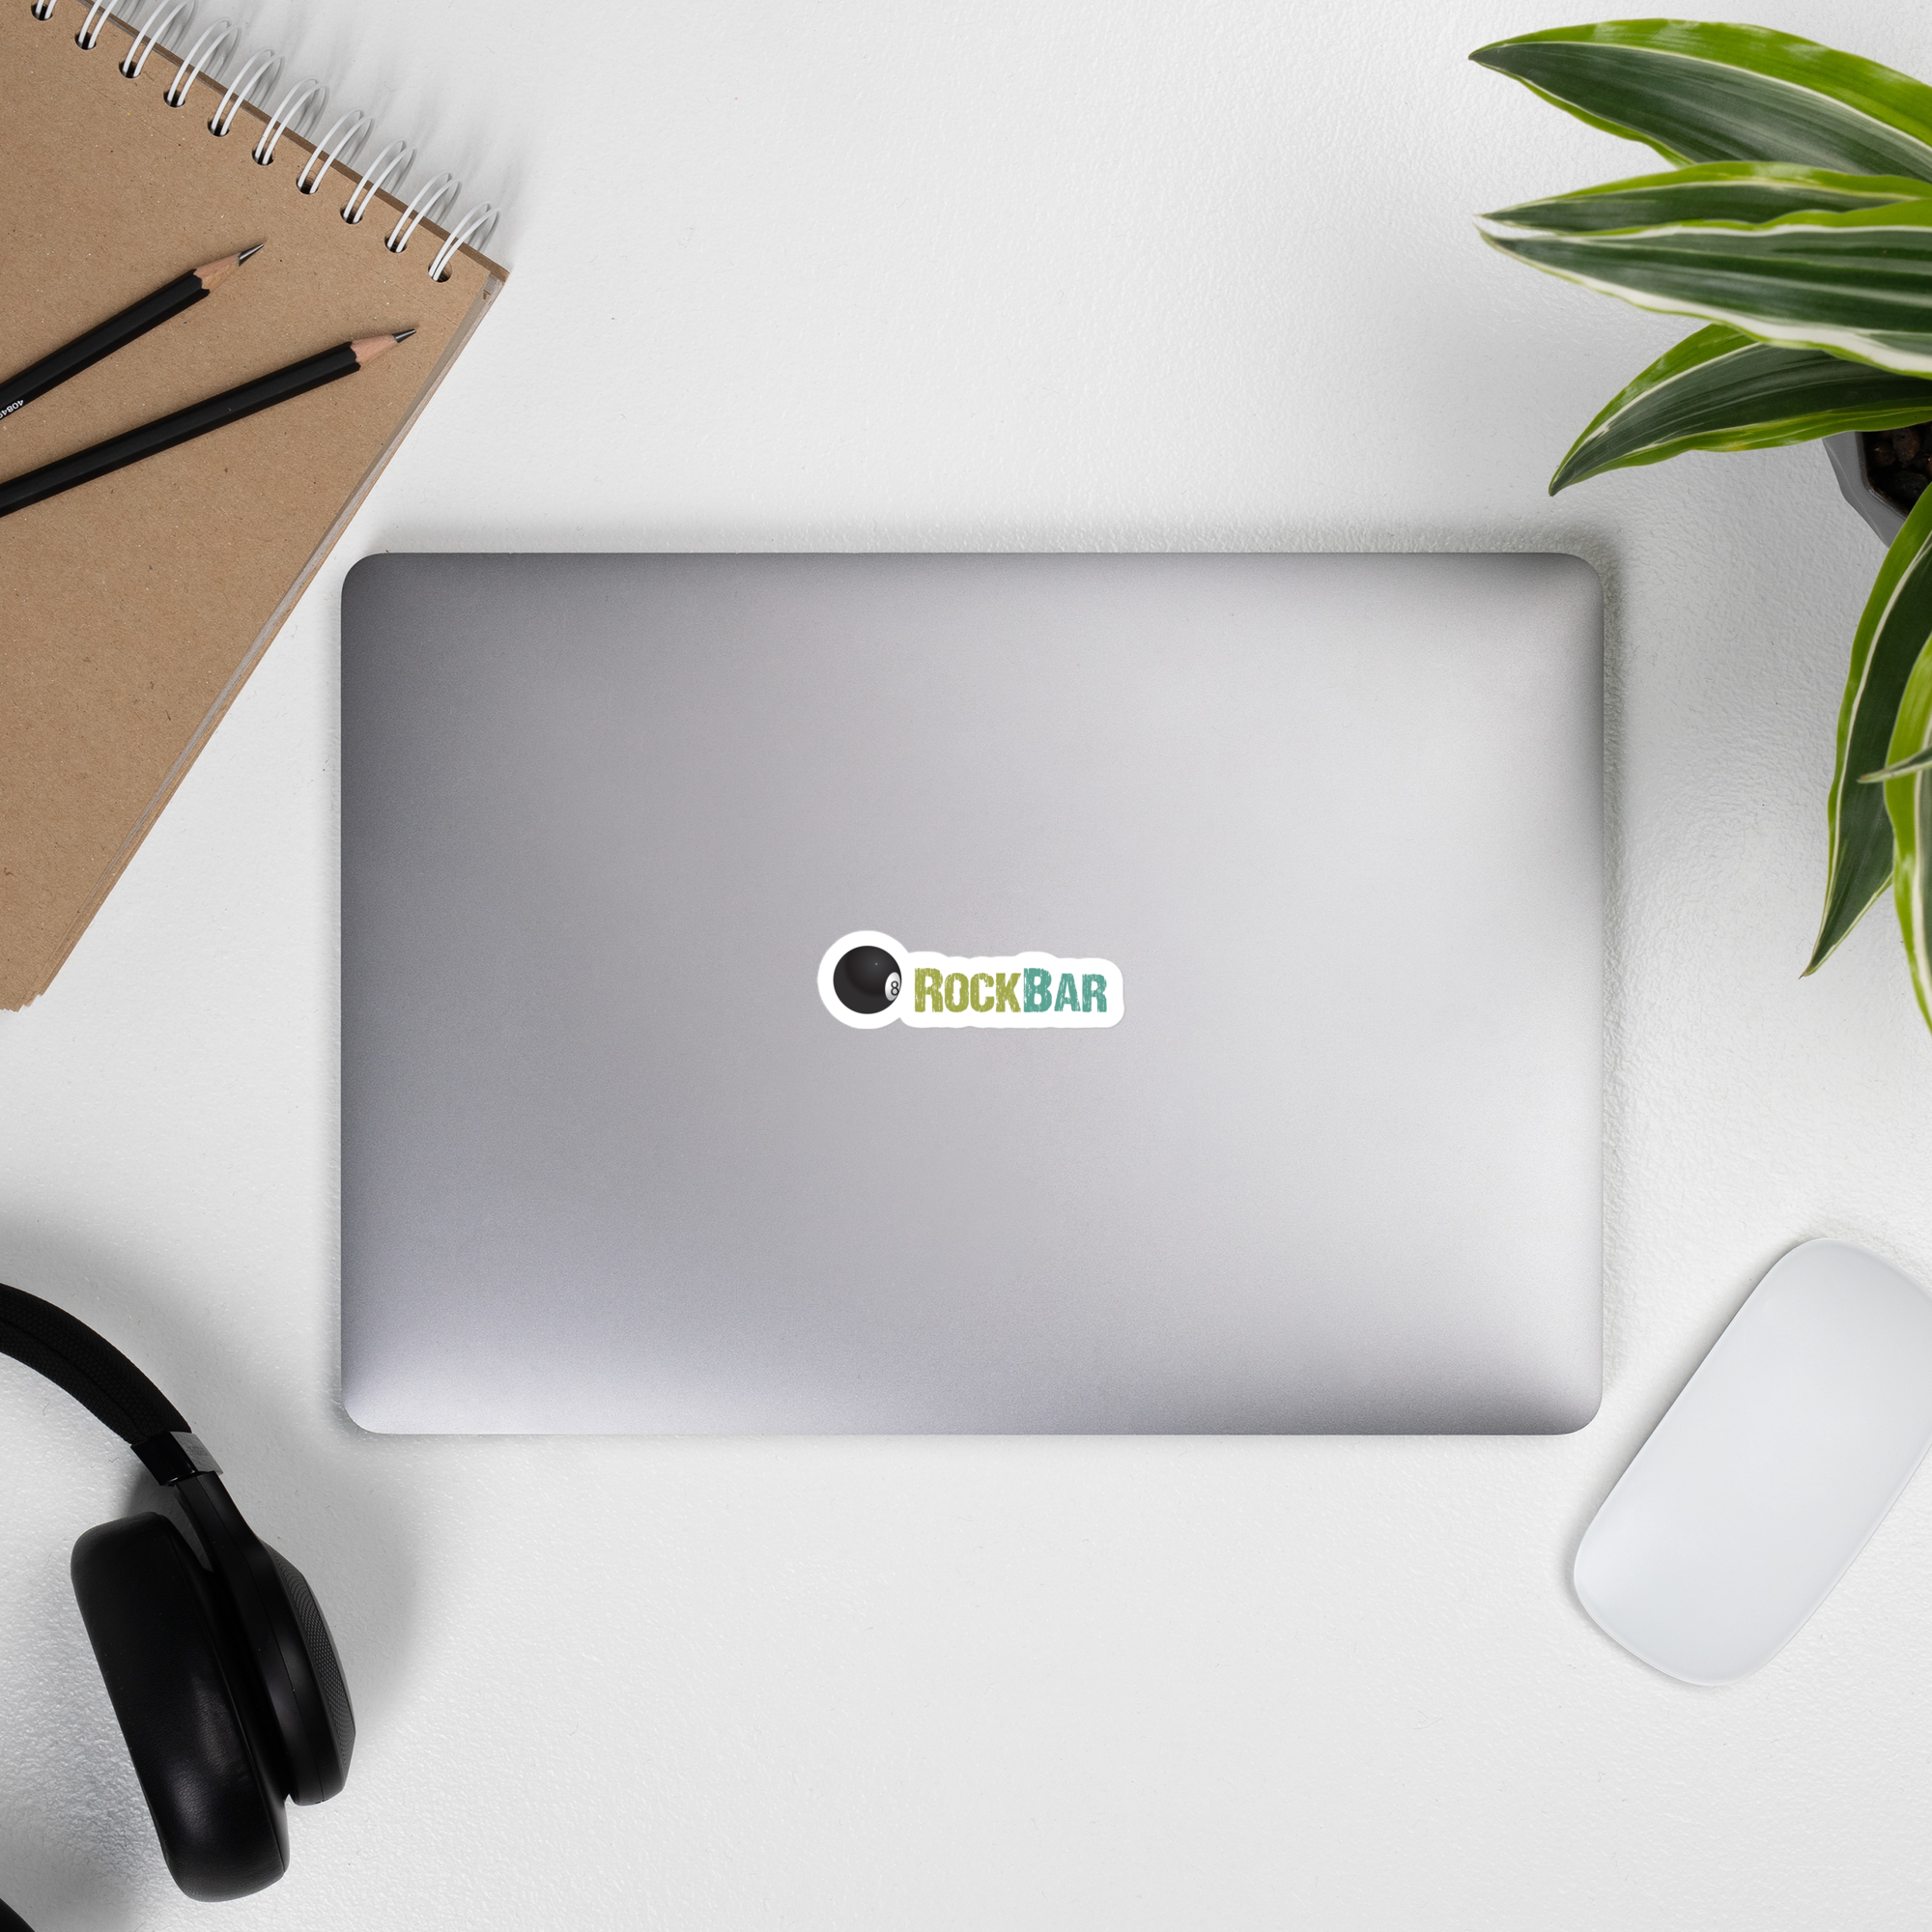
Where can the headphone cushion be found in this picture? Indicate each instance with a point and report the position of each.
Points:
(331, 1687)
(178, 1682)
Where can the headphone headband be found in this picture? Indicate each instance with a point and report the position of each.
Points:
(99, 1377)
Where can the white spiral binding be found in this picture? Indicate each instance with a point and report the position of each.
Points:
(210, 47)
(160, 18)
(473, 227)
(259, 70)
(436, 193)
(342, 143)
(394, 162)
(300, 103)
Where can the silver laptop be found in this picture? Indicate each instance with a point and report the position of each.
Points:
(1106, 994)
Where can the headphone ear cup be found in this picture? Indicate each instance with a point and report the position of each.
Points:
(329, 1753)
(176, 1679)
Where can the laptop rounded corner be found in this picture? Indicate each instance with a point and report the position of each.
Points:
(366, 1414)
(1578, 1412)
(1581, 571)
(366, 576)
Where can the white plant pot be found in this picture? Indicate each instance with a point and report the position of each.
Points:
(1848, 459)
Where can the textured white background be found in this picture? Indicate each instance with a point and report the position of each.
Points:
(1097, 273)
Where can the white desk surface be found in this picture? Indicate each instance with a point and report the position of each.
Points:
(861, 276)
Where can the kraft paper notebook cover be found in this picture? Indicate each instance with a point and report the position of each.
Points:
(133, 607)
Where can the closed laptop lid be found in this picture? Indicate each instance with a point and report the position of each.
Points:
(1320, 835)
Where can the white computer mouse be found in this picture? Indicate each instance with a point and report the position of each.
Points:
(1768, 1472)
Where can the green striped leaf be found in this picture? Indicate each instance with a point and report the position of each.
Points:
(1857, 283)
(1907, 798)
(1890, 641)
(1722, 191)
(1918, 762)
(1722, 390)
(1697, 91)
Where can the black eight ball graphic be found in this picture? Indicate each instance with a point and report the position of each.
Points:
(866, 979)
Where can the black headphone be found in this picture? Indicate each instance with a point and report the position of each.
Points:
(218, 1663)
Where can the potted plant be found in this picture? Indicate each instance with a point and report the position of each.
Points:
(1795, 222)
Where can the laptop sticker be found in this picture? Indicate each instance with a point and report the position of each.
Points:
(869, 979)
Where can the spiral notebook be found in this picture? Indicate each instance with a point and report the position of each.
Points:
(133, 607)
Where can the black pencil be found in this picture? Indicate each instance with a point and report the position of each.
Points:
(117, 331)
(197, 419)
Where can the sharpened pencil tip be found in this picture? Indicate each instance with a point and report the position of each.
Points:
(368, 347)
(212, 275)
